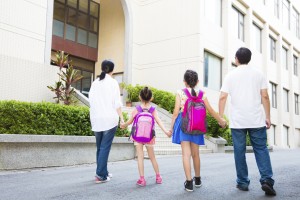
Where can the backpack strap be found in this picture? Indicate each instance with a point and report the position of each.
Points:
(200, 95)
(187, 93)
(139, 108)
(151, 109)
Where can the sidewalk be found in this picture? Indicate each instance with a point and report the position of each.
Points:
(218, 178)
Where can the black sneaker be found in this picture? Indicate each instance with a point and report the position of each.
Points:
(198, 182)
(188, 185)
(268, 188)
(243, 188)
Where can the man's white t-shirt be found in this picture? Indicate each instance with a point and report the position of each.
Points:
(244, 85)
(104, 99)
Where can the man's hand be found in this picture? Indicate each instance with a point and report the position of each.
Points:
(268, 123)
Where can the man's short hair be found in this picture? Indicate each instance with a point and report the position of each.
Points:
(243, 55)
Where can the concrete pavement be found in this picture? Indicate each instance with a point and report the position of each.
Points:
(218, 179)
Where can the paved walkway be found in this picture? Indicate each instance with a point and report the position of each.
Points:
(218, 177)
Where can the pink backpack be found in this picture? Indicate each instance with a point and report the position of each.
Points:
(194, 115)
(143, 126)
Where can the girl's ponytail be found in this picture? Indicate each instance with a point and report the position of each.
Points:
(193, 92)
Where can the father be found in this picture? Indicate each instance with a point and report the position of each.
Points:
(247, 88)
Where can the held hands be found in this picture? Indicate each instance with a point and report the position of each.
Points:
(168, 133)
(123, 125)
(223, 122)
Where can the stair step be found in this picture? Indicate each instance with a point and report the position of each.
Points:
(175, 152)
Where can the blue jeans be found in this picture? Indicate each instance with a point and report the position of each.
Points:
(258, 138)
(103, 142)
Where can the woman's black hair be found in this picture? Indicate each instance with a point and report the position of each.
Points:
(191, 78)
(146, 94)
(107, 66)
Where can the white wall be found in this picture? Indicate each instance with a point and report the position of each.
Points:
(170, 36)
(23, 29)
(166, 42)
(25, 80)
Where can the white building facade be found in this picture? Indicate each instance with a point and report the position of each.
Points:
(153, 42)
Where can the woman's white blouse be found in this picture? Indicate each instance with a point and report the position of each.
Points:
(104, 99)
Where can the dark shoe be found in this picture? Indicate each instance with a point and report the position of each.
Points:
(198, 182)
(188, 185)
(268, 188)
(243, 188)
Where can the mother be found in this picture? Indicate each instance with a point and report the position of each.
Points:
(105, 110)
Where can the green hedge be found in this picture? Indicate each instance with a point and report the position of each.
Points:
(166, 100)
(46, 119)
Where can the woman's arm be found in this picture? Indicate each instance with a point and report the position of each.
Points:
(222, 122)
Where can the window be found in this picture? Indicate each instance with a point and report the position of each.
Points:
(272, 49)
(295, 58)
(273, 95)
(258, 39)
(212, 71)
(213, 11)
(285, 135)
(276, 8)
(286, 100)
(295, 23)
(86, 69)
(296, 104)
(119, 78)
(286, 13)
(238, 24)
(284, 59)
(272, 135)
(58, 19)
(77, 20)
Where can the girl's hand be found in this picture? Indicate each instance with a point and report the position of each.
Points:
(223, 123)
(122, 125)
(169, 133)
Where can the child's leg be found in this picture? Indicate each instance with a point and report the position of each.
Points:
(151, 155)
(196, 158)
(140, 156)
(186, 159)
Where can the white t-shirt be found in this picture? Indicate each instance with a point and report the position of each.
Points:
(244, 84)
(104, 98)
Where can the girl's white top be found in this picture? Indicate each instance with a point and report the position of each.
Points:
(104, 98)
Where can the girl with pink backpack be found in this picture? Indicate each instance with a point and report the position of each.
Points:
(189, 125)
(143, 118)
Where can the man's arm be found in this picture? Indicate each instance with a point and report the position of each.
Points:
(266, 104)
(222, 103)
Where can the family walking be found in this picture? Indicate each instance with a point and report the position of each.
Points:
(249, 114)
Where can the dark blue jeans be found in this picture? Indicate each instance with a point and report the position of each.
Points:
(258, 138)
(103, 142)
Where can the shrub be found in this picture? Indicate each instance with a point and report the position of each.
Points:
(46, 119)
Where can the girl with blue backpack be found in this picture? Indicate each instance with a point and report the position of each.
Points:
(143, 118)
(189, 125)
